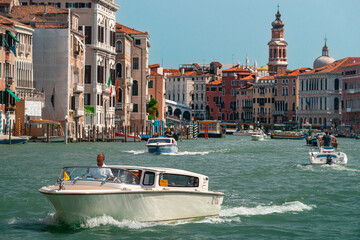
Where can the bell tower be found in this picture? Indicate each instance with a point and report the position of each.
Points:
(277, 47)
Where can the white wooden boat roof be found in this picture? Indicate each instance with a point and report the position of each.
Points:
(142, 168)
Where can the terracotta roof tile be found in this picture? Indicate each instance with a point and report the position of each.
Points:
(127, 30)
(236, 69)
(216, 82)
(217, 63)
(157, 65)
(267, 78)
(154, 73)
(335, 66)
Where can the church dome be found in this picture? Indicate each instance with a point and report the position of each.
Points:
(323, 61)
(278, 23)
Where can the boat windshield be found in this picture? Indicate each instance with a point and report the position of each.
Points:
(100, 174)
(159, 140)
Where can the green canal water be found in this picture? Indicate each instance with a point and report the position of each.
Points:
(271, 192)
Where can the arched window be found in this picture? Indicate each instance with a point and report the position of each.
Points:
(120, 95)
(119, 70)
(135, 90)
(336, 84)
(119, 47)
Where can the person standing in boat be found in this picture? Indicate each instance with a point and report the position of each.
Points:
(327, 139)
(102, 171)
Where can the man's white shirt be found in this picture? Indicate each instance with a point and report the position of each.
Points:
(100, 172)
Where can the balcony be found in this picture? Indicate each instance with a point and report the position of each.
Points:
(281, 113)
(118, 106)
(350, 91)
(129, 81)
(130, 107)
(80, 112)
(78, 87)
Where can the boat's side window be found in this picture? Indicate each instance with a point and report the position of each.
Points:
(175, 180)
(149, 178)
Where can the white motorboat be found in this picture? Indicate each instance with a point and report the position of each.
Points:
(144, 194)
(327, 155)
(244, 133)
(258, 136)
(160, 145)
(5, 139)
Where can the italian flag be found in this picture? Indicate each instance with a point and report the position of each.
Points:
(109, 83)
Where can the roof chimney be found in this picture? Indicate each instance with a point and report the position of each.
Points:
(45, 9)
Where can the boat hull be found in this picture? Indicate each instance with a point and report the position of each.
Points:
(148, 206)
(320, 158)
(288, 137)
(162, 149)
(14, 139)
(257, 138)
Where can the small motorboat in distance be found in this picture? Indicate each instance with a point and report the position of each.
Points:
(134, 193)
(160, 145)
(258, 136)
(327, 155)
(4, 139)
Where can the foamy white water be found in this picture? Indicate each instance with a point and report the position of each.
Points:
(186, 153)
(135, 152)
(265, 210)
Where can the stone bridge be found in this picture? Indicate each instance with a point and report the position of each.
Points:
(178, 111)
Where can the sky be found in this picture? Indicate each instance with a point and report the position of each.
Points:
(202, 31)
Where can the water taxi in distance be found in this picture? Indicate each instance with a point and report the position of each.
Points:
(327, 155)
(160, 145)
(144, 194)
(230, 128)
(211, 128)
(244, 132)
(287, 135)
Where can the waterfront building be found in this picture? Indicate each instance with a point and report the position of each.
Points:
(231, 80)
(98, 19)
(263, 100)
(7, 65)
(320, 94)
(58, 53)
(286, 95)
(133, 45)
(156, 88)
(244, 103)
(277, 48)
(188, 85)
(351, 95)
(214, 100)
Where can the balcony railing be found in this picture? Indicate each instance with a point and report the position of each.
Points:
(78, 87)
(118, 106)
(282, 113)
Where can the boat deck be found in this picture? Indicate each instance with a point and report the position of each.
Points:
(81, 187)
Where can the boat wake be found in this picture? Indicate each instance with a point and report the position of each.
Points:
(265, 209)
(135, 152)
(185, 153)
(325, 167)
(227, 215)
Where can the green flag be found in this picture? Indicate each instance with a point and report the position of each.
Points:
(109, 82)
